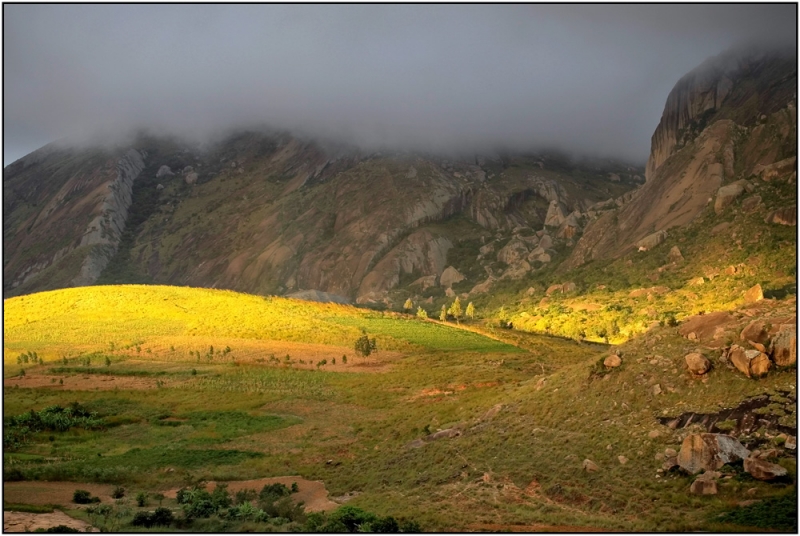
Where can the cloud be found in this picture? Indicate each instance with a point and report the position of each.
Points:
(586, 78)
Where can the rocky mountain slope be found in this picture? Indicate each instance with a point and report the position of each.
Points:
(723, 124)
(270, 213)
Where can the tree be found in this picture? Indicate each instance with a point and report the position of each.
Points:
(443, 314)
(421, 313)
(455, 309)
(408, 305)
(364, 346)
(470, 311)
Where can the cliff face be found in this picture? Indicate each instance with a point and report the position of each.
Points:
(738, 85)
(65, 211)
(733, 113)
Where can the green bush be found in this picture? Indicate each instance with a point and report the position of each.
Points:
(81, 496)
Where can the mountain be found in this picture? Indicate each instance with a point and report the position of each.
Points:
(722, 122)
(271, 213)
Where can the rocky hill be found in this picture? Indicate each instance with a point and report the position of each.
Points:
(270, 213)
(725, 124)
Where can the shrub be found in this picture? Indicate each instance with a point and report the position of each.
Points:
(141, 499)
(162, 517)
(81, 496)
(61, 529)
(118, 493)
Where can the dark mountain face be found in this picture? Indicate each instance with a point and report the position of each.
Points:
(270, 213)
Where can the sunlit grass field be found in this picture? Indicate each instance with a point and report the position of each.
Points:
(171, 321)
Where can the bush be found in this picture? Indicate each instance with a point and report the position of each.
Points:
(61, 529)
(162, 517)
(141, 499)
(118, 493)
(81, 496)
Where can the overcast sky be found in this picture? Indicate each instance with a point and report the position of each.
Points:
(588, 78)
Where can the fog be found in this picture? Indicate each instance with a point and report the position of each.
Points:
(589, 79)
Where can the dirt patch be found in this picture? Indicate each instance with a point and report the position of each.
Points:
(493, 527)
(25, 522)
(311, 492)
(52, 492)
(88, 382)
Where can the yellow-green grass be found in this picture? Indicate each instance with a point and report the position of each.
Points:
(171, 321)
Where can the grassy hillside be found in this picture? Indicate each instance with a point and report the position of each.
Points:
(123, 318)
(525, 419)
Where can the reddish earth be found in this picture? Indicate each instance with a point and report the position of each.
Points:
(312, 492)
(52, 492)
(491, 527)
(89, 382)
(25, 522)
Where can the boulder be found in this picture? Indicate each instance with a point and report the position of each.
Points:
(754, 294)
(513, 252)
(539, 254)
(449, 292)
(622, 460)
(670, 452)
(705, 484)
(709, 452)
(517, 270)
(160, 187)
(751, 204)
(164, 171)
(553, 288)
(784, 347)
(697, 363)
(670, 463)
(545, 242)
(762, 469)
(727, 194)
(424, 282)
(569, 286)
(190, 177)
(705, 326)
(791, 443)
(772, 171)
(612, 361)
(720, 228)
(783, 216)
(674, 255)
(589, 466)
(756, 331)
(482, 288)
(652, 240)
(695, 281)
(555, 214)
(751, 363)
(450, 276)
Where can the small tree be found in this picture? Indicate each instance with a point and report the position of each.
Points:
(470, 311)
(455, 309)
(363, 346)
(421, 313)
(443, 313)
(408, 305)
(108, 362)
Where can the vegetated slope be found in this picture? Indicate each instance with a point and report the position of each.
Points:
(101, 318)
(268, 213)
(716, 217)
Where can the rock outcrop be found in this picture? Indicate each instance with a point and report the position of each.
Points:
(709, 452)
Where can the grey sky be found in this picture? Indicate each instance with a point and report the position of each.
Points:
(587, 78)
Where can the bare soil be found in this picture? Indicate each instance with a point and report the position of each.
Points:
(56, 493)
(311, 492)
(89, 382)
(26, 522)
(492, 527)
